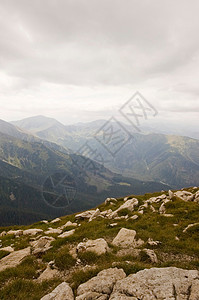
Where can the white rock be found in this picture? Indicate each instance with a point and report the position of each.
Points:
(129, 204)
(8, 248)
(158, 283)
(61, 292)
(102, 284)
(125, 238)
(108, 200)
(53, 230)
(151, 242)
(68, 224)
(190, 226)
(99, 246)
(3, 233)
(151, 254)
(135, 217)
(41, 245)
(48, 274)
(94, 215)
(67, 233)
(85, 215)
(32, 231)
(162, 209)
(171, 194)
(13, 259)
(55, 220)
(15, 232)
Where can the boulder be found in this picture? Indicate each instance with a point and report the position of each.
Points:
(162, 209)
(85, 215)
(126, 238)
(13, 259)
(15, 232)
(109, 200)
(183, 195)
(171, 194)
(68, 224)
(158, 283)
(62, 292)
(94, 215)
(33, 231)
(53, 230)
(129, 204)
(152, 256)
(67, 233)
(99, 246)
(55, 220)
(8, 248)
(48, 274)
(101, 285)
(41, 245)
(3, 233)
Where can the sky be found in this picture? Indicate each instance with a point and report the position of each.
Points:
(81, 60)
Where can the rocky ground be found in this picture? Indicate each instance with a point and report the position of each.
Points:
(143, 247)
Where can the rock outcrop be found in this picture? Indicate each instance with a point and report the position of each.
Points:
(61, 292)
(158, 283)
(99, 246)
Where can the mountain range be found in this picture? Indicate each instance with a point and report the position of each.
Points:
(36, 176)
(171, 159)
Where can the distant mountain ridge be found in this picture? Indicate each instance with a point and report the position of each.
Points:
(173, 160)
(27, 162)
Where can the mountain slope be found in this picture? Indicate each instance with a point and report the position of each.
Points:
(33, 165)
(135, 247)
(173, 160)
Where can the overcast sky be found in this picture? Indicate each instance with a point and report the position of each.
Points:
(80, 60)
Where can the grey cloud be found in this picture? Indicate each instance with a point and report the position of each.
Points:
(90, 42)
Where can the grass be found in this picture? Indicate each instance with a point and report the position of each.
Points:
(182, 252)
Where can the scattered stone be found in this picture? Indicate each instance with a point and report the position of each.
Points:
(99, 246)
(177, 238)
(8, 248)
(101, 285)
(94, 215)
(15, 232)
(13, 259)
(41, 245)
(61, 292)
(53, 230)
(152, 208)
(3, 233)
(183, 194)
(32, 231)
(171, 194)
(85, 215)
(48, 274)
(168, 215)
(162, 209)
(108, 200)
(113, 225)
(190, 226)
(44, 221)
(152, 256)
(135, 217)
(151, 242)
(158, 283)
(141, 211)
(55, 220)
(126, 238)
(68, 224)
(67, 233)
(129, 204)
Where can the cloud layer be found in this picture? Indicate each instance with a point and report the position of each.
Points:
(90, 55)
